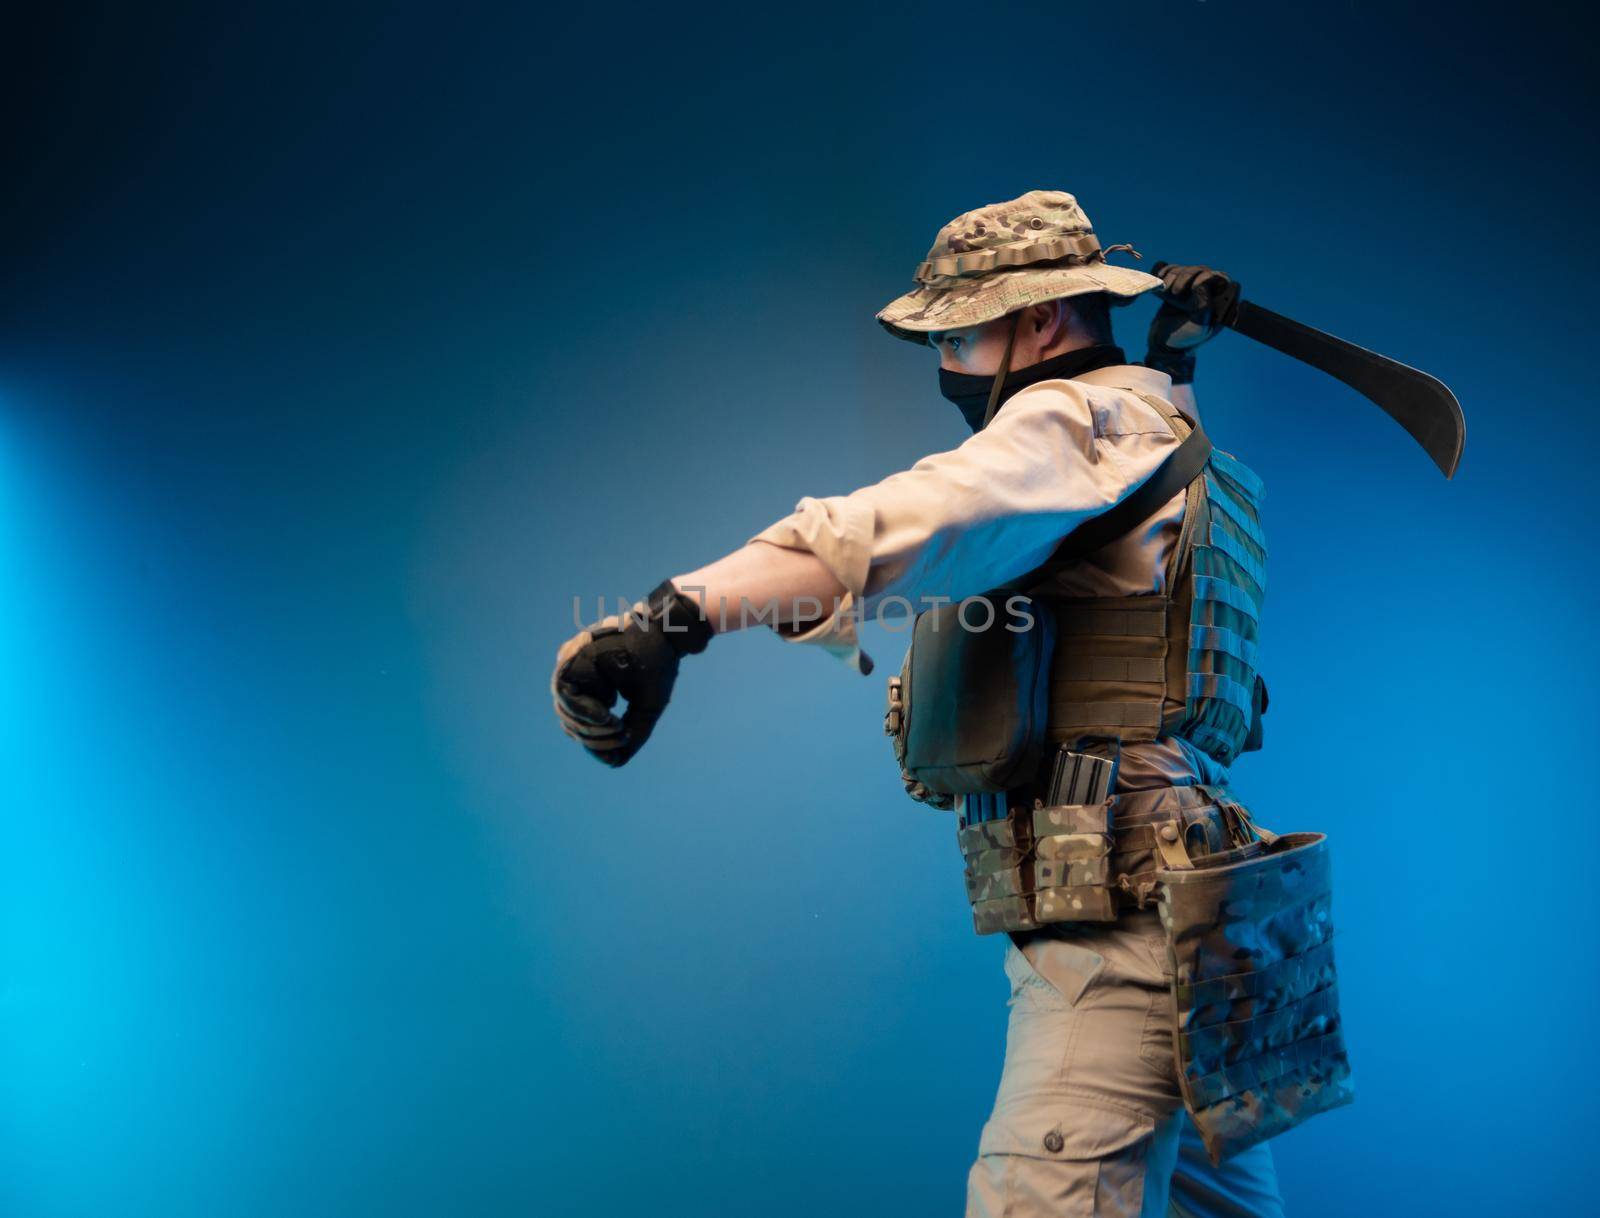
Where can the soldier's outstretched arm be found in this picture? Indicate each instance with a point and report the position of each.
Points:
(762, 582)
(635, 656)
(955, 524)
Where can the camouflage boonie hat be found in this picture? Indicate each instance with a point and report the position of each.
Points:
(1003, 257)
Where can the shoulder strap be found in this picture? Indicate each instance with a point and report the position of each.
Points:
(1182, 466)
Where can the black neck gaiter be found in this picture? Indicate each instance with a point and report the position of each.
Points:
(970, 392)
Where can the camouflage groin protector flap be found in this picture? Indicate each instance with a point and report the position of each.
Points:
(1259, 1043)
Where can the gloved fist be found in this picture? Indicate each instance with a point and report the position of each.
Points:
(1196, 303)
(634, 656)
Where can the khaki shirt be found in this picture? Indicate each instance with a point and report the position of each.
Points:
(962, 522)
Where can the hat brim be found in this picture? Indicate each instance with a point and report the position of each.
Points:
(926, 310)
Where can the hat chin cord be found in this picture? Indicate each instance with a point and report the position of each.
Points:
(1005, 370)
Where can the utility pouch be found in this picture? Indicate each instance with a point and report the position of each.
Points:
(1039, 865)
(969, 709)
(1259, 1043)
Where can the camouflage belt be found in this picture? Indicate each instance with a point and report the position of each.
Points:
(1046, 865)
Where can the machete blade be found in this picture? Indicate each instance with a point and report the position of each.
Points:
(1421, 404)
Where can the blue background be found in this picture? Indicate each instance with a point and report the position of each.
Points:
(341, 349)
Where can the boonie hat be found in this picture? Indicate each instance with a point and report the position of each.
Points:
(997, 259)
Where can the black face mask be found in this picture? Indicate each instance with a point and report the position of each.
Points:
(970, 392)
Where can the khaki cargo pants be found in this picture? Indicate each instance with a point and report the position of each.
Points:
(1089, 1119)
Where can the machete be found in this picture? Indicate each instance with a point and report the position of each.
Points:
(1422, 404)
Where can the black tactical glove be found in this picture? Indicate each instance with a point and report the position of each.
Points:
(1195, 304)
(634, 655)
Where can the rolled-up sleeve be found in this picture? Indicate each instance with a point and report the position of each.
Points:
(962, 522)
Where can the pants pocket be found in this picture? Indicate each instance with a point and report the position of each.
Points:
(1060, 1155)
(1051, 974)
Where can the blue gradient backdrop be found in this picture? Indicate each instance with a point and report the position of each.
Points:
(340, 349)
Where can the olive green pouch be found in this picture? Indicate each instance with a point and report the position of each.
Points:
(974, 696)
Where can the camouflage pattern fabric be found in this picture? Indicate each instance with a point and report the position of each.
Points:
(1039, 865)
(1228, 581)
(1072, 873)
(998, 873)
(996, 259)
(1259, 1042)
(1036, 866)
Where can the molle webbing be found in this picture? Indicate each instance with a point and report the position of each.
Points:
(1181, 663)
(1038, 865)
(1259, 1040)
(1228, 564)
(1109, 674)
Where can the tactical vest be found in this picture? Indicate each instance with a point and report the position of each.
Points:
(1182, 662)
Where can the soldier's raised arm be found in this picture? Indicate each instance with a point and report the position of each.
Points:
(1193, 301)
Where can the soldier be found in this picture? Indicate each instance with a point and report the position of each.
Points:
(1139, 1051)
